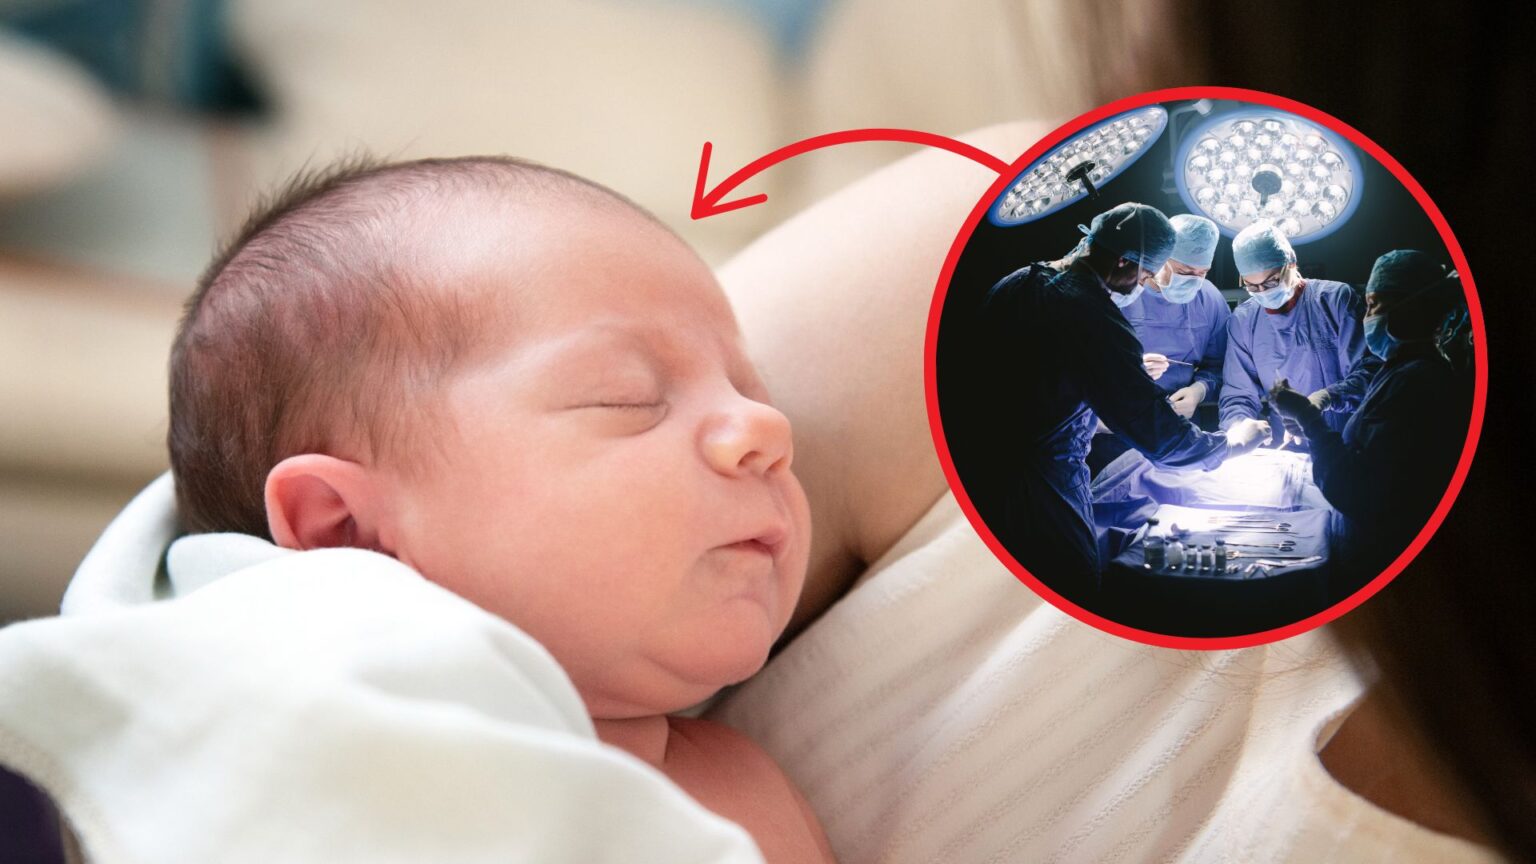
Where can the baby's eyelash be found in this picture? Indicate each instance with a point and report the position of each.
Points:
(629, 405)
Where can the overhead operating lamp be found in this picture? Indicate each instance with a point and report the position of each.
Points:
(1242, 166)
(1077, 167)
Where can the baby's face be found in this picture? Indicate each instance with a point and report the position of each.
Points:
(613, 479)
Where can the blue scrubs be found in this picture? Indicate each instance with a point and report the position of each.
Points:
(1195, 332)
(1044, 353)
(1318, 344)
(1391, 464)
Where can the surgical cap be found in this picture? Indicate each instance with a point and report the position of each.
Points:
(1261, 247)
(1135, 232)
(1403, 271)
(1194, 241)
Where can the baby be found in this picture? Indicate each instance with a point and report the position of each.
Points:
(526, 388)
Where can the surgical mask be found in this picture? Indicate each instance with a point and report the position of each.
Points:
(1275, 297)
(1182, 288)
(1377, 338)
(1124, 300)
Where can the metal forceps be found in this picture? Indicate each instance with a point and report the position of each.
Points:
(1266, 564)
(1257, 520)
(1283, 545)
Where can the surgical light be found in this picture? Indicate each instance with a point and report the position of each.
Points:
(1242, 166)
(1076, 167)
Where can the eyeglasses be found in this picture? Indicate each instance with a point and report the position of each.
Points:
(1269, 284)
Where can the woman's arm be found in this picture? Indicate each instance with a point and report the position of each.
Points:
(834, 305)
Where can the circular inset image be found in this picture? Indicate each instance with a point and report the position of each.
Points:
(1206, 368)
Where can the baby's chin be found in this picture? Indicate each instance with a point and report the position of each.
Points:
(685, 676)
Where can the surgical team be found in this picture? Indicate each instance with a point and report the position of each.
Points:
(1304, 331)
(1128, 339)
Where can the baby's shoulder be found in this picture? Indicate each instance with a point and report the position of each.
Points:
(703, 745)
(730, 774)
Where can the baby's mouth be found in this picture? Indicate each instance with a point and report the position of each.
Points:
(753, 545)
(768, 541)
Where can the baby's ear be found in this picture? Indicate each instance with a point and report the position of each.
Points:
(321, 502)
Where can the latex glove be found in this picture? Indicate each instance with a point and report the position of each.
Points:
(1297, 409)
(1246, 435)
(1321, 399)
(1155, 364)
(1293, 431)
(1186, 399)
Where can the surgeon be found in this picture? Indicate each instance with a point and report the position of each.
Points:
(1305, 331)
(1387, 469)
(1181, 319)
(1061, 351)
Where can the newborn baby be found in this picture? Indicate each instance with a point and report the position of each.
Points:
(526, 388)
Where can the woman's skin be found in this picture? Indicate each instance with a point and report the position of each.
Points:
(860, 265)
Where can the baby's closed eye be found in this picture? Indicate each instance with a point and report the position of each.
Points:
(622, 415)
(621, 391)
(632, 405)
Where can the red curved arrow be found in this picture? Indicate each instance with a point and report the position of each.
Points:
(708, 205)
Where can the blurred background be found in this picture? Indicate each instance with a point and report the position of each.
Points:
(136, 134)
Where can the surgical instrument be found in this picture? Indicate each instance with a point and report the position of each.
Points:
(1249, 520)
(1283, 545)
(1275, 556)
(1276, 563)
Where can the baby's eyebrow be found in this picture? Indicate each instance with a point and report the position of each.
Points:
(597, 337)
(600, 346)
(657, 346)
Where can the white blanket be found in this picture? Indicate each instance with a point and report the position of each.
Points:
(327, 706)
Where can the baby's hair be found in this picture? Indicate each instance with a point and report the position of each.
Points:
(312, 331)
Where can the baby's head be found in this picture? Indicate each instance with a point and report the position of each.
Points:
(518, 383)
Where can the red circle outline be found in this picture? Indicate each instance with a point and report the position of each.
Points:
(1474, 308)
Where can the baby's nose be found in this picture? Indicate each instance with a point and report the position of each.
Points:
(747, 437)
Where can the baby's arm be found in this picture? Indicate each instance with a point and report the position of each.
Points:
(834, 306)
(728, 773)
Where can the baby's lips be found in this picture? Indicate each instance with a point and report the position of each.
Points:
(774, 538)
(770, 539)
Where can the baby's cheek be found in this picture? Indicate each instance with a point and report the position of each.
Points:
(646, 501)
(800, 508)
